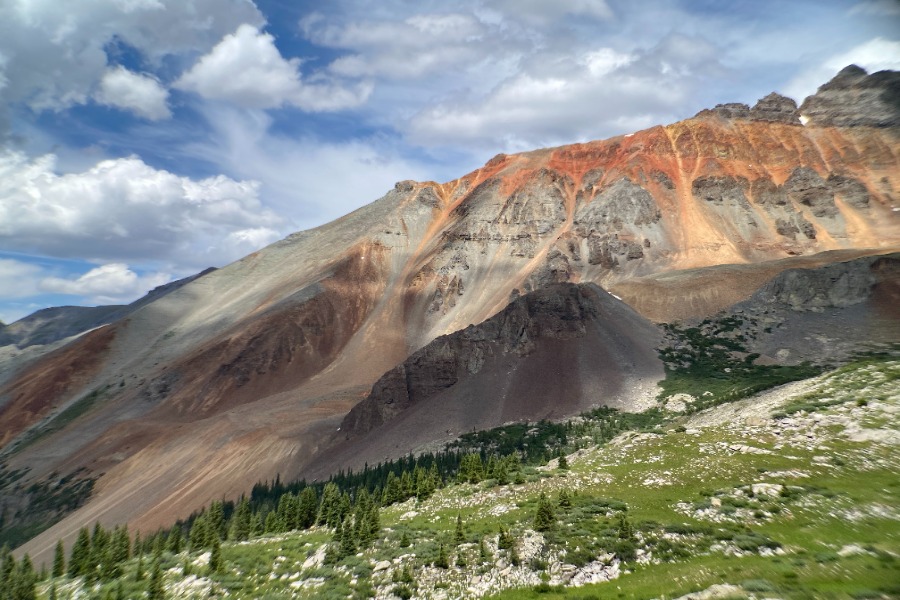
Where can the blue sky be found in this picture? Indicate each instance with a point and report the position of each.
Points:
(144, 140)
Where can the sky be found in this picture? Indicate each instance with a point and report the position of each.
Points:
(144, 140)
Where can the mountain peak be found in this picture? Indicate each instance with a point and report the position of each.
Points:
(853, 98)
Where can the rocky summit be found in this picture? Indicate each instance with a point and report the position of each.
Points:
(538, 286)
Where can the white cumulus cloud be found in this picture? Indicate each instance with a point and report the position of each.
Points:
(109, 283)
(141, 94)
(54, 55)
(246, 68)
(124, 209)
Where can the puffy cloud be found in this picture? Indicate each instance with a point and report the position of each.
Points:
(560, 98)
(873, 55)
(55, 57)
(247, 69)
(124, 209)
(141, 94)
(106, 284)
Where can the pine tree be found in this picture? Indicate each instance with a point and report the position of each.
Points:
(59, 560)
(155, 590)
(441, 561)
(139, 570)
(240, 521)
(306, 510)
(626, 530)
(215, 556)
(544, 517)
(505, 540)
(175, 540)
(138, 545)
(392, 490)
(7, 567)
(563, 461)
(404, 540)
(565, 498)
(215, 519)
(120, 545)
(81, 554)
(24, 586)
(459, 535)
(483, 553)
(272, 525)
(199, 535)
(348, 544)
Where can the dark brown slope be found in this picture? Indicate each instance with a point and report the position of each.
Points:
(549, 354)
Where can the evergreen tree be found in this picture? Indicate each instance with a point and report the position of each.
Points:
(565, 498)
(459, 535)
(25, 581)
(121, 545)
(329, 509)
(348, 544)
(404, 540)
(215, 519)
(52, 594)
(483, 554)
(392, 490)
(407, 487)
(215, 556)
(441, 561)
(626, 531)
(138, 544)
(544, 517)
(155, 589)
(175, 540)
(272, 525)
(139, 570)
(563, 461)
(306, 510)
(505, 540)
(435, 476)
(81, 554)
(256, 525)
(199, 535)
(7, 567)
(240, 521)
(59, 560)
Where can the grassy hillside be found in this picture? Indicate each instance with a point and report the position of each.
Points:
(792, 493)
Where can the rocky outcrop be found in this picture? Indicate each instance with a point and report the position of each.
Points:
(853, 98)
(833, 286)
(554, 316)
(773, 108)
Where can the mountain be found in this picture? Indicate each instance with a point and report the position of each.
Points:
(248, 371)
(53, 324)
